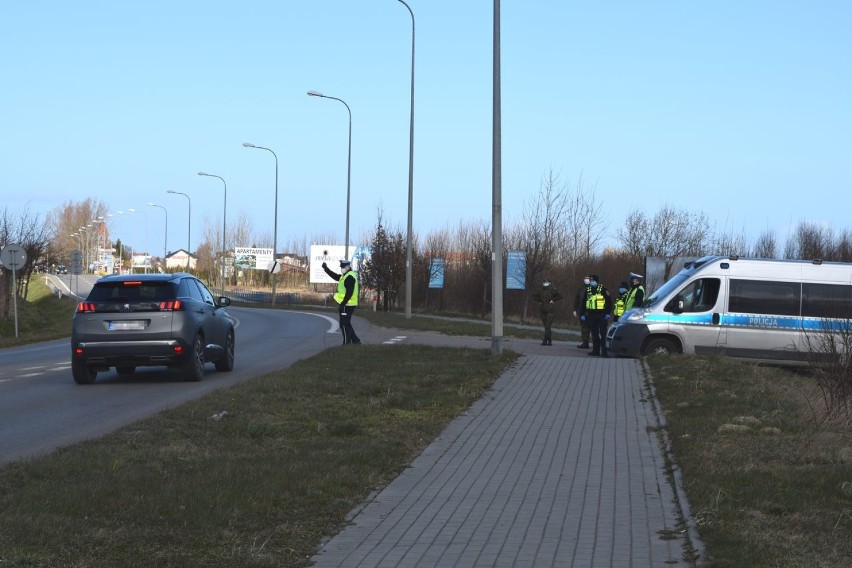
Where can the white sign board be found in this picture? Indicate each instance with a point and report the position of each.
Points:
(330, 254)
(247, 258)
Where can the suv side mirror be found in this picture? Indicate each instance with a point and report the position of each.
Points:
(224, 302)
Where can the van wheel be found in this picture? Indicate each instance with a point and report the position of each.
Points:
(82, 373)
(193, 368)
(660, 346)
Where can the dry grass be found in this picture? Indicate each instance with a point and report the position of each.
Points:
(255, 475)
(766, 477)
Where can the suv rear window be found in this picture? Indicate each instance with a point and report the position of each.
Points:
(132, 291)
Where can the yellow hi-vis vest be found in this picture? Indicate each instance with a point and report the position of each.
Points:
(631, 296)
(341, 290)
(594, 298)
(619, 305)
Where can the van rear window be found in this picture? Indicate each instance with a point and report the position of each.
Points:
(762, 297)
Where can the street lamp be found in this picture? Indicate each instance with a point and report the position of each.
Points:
(165, 232)
(349, 161)
(188, 226)
(275, 225)
(496, 196)
(408, 255)
(224, 221)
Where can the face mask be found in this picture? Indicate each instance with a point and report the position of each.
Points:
(593, 282)
(344, 269)
(546, 284)
(622, 290)
(586, 281)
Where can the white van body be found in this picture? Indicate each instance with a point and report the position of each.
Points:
(751, 308)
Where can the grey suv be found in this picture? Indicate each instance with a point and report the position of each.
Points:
(136, 320)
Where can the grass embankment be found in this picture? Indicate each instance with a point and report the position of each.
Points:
(42, 317)
(262, 485)
(769, 482)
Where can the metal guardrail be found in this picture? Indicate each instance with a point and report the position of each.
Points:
(257, 297)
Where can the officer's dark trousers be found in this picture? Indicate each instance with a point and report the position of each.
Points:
(597, 329)
(346, 325)
(547, 321)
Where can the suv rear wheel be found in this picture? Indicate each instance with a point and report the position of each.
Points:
(193, 368)
(226, 363)
(82, 373)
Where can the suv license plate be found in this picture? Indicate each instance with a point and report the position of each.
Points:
(135, 325)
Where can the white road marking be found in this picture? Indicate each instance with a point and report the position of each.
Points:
(395, 340)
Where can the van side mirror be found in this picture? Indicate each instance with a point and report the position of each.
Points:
(675, 305)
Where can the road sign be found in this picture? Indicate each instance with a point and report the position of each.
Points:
(76, 262)
(13, 257)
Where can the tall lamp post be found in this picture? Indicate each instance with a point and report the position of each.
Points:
(496, 198)
(408, 244)
(348, 162)
(224, 222)
(275, 224)
(188, 227)
(165, 231)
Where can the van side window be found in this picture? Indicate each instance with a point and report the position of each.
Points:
(827, 301)
(762, 297)
(700, 295)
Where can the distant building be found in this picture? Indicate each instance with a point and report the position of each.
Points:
(177, 260)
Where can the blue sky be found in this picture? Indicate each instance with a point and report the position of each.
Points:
(739, 109)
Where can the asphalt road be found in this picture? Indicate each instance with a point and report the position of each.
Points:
(42, 408)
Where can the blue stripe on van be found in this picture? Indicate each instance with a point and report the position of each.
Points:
(761, 321)
(756, 321)
(695, 319)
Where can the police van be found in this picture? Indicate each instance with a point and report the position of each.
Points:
(740, 307)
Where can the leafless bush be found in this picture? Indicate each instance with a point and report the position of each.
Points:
(829, 354)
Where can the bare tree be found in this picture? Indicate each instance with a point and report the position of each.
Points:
(27, 229)
(541, 231)
(728, 243)
(670, 234)
(810, 241)
(585, 224)
(766, 246)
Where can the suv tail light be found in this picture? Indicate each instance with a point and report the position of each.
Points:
(86, 307)
(171, 306)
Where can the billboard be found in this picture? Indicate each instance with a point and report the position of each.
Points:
(247, 258)
(516, 270)
(331, 254)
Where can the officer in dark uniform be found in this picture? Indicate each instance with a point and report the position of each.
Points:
(596, 311)
(546, 299)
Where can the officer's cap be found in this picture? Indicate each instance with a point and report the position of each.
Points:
(344, 262)
(634, 276)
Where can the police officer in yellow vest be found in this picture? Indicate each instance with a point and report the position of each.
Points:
(619, 307)
(636, 295)
(596, 312)
(346, 298)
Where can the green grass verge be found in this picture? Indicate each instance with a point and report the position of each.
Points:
(769, 483)
(41, 317)
(262, 486)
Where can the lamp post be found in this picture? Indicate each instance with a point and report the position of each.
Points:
(275, 224)
(496, 198)
(165, 231)
(188, 226)
(348, 162)
(408, 244)
(224, 222)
